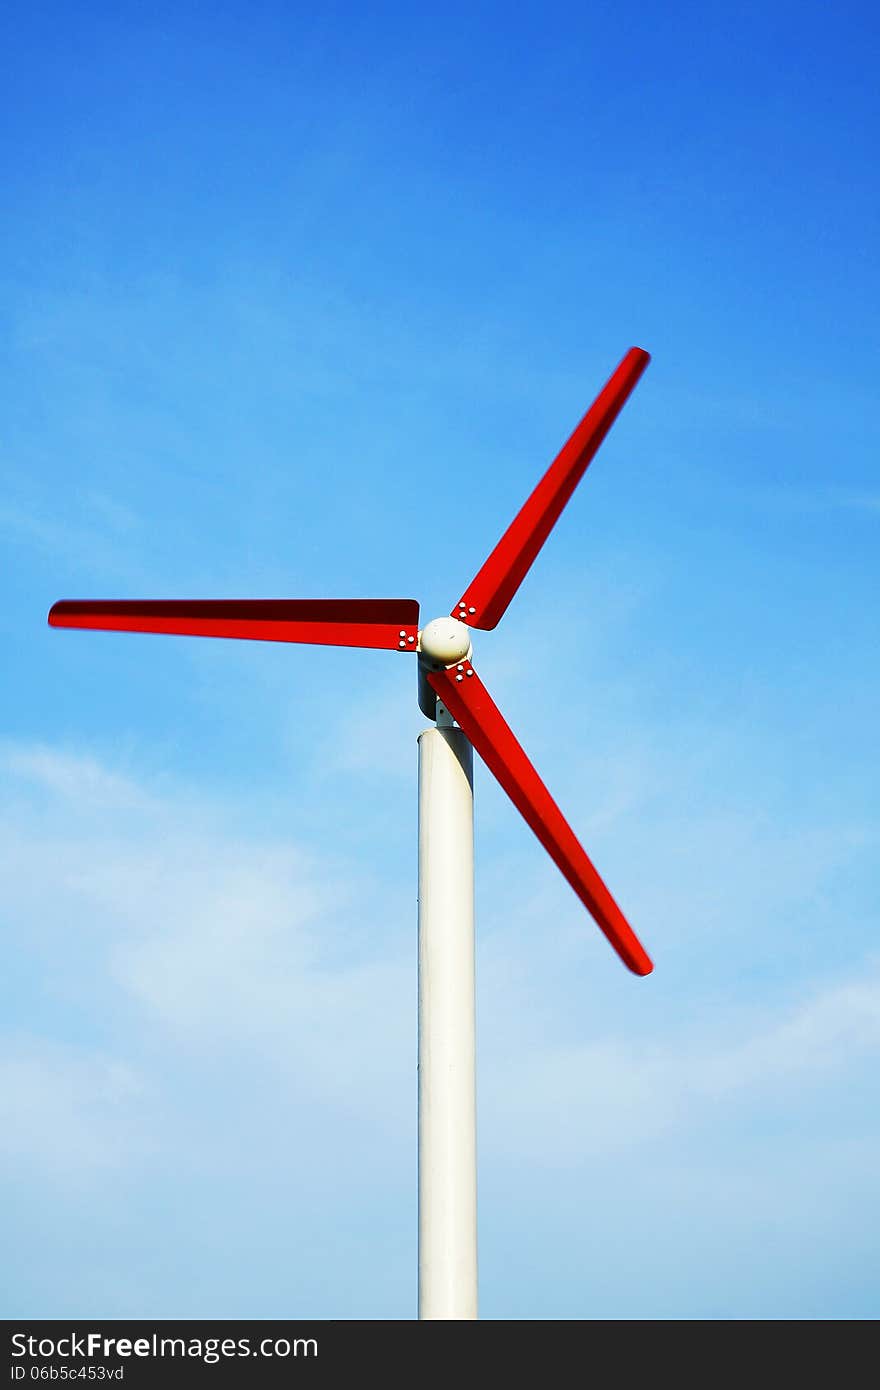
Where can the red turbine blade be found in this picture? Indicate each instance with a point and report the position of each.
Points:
(487, 596)
(468, 701)
(392, 623)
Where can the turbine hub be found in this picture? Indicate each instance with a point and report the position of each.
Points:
(445, 641)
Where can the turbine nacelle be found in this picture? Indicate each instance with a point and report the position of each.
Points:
(444, 642)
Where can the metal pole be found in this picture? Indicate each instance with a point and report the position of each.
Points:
(447, 1111)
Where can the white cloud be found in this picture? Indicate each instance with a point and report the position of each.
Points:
(198, 999)
(187, 939)
(559, 1105)
(71, 1113)
(80, 781)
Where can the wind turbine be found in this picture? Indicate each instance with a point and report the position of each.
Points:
(465, 717)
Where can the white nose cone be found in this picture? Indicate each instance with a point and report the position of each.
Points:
(445, 641)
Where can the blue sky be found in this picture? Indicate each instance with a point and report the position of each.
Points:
(302, 305)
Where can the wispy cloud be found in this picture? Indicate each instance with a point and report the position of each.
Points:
(79, 780)
(93, 1100)
(614, 1096)
(197, 997)
(91, 532)
(185, 931)
(823, 499)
